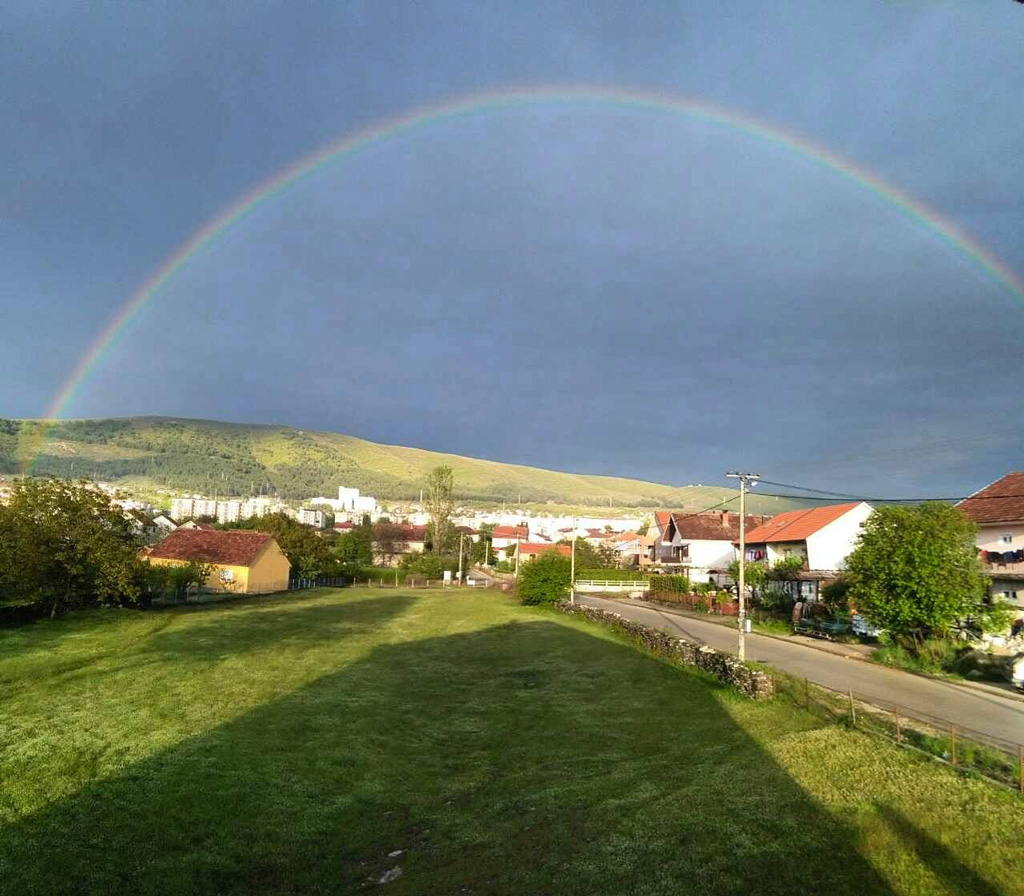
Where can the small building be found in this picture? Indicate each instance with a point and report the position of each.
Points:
(503, 536)
(531, 550)
(633, 549)
(393, 541)
(998, 511)
(244, 562)
(164, 523)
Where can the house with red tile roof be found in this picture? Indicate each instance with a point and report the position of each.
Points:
(822, 537)
(699, 544)
(531, 550)
(243, 562)
(503, 536)
(998, 511)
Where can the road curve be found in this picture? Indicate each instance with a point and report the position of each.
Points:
(992, 714)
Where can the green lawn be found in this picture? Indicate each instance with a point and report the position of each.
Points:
(289, 744)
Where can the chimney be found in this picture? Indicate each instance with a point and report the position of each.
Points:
(725, 517)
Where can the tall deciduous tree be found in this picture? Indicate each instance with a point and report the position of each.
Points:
(65, 544)
(915, 571)
(440, 506)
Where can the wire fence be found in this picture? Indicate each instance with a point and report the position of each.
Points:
(391, 581)
(961, 747)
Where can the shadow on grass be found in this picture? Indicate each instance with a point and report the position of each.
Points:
(524, 758)
(294, 625)
(957, 876)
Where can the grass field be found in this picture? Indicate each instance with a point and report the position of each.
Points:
(289, 744)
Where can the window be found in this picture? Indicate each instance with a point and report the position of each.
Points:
(1010, 595)
(227, 575)
(1006, 539)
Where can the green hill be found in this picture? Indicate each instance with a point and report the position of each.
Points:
(208, 457)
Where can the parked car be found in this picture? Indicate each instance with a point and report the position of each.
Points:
(864, 629)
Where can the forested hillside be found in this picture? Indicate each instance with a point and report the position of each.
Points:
(233, 459)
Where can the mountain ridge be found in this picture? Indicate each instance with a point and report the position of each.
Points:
(212, 456)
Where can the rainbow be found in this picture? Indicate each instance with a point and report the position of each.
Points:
(348, 145)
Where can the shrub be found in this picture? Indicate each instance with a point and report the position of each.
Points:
(775, 599)
(544, 580)
(670, 584)
(610, 575)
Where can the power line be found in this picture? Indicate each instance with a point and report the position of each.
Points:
(877, 500)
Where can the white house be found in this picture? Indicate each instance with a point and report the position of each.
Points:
(822, 537)
(998, 511)
(701, 544)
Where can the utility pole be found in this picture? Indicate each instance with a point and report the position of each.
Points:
(572, 565)
(519, 553)
(462, 535)
(744, 478)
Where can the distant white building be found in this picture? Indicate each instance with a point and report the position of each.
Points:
(256, 507)
(311, 516)
(204, 507)
(182, 509)
(352, 502)
(229, 511)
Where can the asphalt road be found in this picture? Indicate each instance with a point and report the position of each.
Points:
(990, 713)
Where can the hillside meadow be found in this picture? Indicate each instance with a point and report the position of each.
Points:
(446, 742)
(205, 456)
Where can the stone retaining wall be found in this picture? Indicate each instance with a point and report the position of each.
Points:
(726, 668)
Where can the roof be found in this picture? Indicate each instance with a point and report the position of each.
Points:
(797, 525)
(713, 525)
(535, 547)
(661, 519)
(232, 547)
(405, 532)
(345, 525)
(511, 532)
(1000, 502)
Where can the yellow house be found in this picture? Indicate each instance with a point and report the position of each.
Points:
(243, 562)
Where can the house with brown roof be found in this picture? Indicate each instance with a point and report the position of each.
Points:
(243, 562)
(393, 541)
(822, 537)
(998, 511)
(699, 544)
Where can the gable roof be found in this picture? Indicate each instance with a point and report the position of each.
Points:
(534, 547)
(510, 532)
(797, 525)
(232, 547)
(712, 525)
(1000, 502)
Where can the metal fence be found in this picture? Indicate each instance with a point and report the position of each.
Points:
(963, 748)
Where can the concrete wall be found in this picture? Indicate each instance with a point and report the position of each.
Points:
(269, 571)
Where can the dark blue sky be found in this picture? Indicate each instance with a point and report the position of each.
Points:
(578, 286)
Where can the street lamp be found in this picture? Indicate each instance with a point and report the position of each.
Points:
(744, 478)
